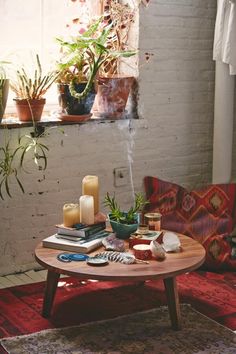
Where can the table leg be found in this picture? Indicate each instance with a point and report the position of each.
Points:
(173, 302)
(50, 290)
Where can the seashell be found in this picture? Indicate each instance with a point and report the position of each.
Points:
(171, 242)
(157, 250)
(112, 243)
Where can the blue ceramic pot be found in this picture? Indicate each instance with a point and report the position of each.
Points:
(72, 105)
(122, 231)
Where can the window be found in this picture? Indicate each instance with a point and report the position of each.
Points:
(31, 26)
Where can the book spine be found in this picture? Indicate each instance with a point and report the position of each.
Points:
(85, 232)
(93, 230)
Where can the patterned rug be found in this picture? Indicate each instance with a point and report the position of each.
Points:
(144, 332)
(76, 302)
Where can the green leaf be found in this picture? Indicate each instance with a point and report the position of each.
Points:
(105, 33)
(125, 54)
(7, 187)
(1, 183)
(19, 183)
(92, 29)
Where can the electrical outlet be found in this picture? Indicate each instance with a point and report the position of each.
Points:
(121, 176)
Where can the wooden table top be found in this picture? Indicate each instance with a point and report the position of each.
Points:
(192, 255)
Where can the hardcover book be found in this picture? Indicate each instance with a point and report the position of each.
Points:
(83, 231)
(67, 245)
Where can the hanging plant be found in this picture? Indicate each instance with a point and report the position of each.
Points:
(8, 168)
(31, 144)
(13, 159)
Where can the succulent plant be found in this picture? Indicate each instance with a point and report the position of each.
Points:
(129, 217)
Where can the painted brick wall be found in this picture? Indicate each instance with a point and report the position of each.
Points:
(172, 140)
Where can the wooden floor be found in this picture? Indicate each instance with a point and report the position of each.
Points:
(32, 276)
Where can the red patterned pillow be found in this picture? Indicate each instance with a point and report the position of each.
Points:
(208, 215)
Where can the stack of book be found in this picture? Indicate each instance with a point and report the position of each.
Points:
(83, 238)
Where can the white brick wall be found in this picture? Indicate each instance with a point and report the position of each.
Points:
(173, 140)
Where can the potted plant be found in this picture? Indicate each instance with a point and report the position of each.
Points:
(8, 168)
(13, 157)
(30, 90)
(4, 88)
(113, 87)
(124, 223)
(82, 57)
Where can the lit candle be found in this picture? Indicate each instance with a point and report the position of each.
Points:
(71, 214)
(90, 187)
(86, 209)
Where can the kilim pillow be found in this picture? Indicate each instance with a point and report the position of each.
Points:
(207, 215)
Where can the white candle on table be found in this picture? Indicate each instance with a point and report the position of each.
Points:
(86, 209)
(90, 187)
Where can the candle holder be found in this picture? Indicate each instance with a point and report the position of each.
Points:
(153, 220)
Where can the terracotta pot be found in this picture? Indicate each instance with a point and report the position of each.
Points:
(29, 110)
(112, 96)
(71, 105)
(4, 88)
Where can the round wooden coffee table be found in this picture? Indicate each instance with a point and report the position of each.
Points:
(192, 255)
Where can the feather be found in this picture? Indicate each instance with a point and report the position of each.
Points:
(122, 257)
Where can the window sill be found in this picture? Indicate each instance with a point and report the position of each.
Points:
(12, 122)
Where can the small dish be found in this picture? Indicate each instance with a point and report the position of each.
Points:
(78, 257)
(142, 229)
(75, 118)
(95, 261)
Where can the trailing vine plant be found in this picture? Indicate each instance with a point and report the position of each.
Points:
(12, 159)
(8, 168)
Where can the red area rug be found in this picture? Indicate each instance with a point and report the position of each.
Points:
(77, 302)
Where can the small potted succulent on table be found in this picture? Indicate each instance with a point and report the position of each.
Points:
(30, 90)
(124, 223)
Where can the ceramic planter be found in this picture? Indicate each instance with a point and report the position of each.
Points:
(4, 88)
(112, 96)
(122, 231)
(29, 110)
(71, 105)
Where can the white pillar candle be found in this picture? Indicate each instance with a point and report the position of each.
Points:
(86, 209)
(90, 187)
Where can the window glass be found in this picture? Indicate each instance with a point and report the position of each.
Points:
(31, 26)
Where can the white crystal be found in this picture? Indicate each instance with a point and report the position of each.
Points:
(171, 242)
